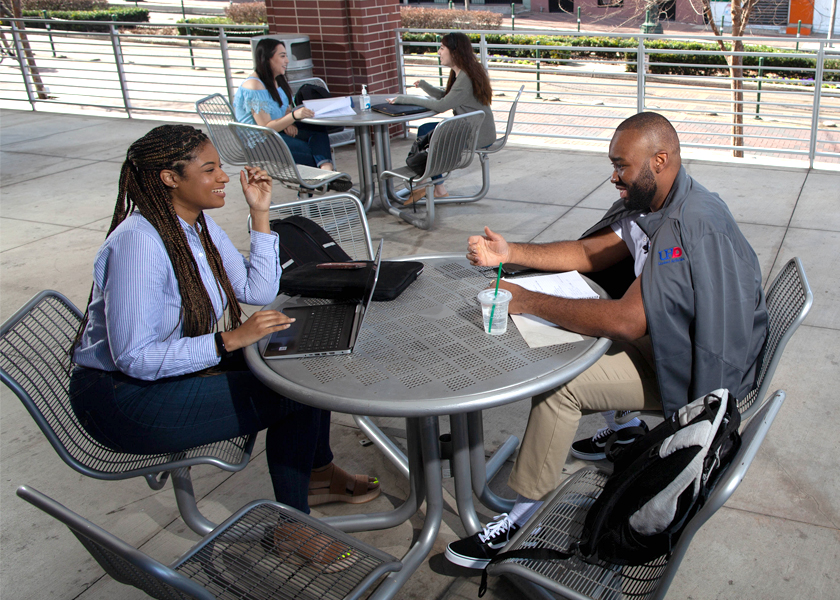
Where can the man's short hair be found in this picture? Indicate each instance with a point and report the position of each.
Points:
(658, 131)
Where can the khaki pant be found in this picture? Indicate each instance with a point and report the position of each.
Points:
(623, 379)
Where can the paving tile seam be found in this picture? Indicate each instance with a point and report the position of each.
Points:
(43, 137)
(29, 180)
(790, 219)
(550, 225)
(780, 518)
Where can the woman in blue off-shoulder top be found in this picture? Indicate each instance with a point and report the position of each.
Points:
(158, 365)
(264, 99)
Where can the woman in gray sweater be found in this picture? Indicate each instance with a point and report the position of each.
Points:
(467, 90)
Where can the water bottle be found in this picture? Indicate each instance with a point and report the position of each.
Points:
(364, 99)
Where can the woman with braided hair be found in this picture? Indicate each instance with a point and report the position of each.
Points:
(158, 360)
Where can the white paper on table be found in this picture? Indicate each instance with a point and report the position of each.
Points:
(330, 107)
(538, 332)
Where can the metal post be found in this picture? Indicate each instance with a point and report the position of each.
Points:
(24, 65)
(722, 17)
(578, 11)
(798, 29)
(482, 50)
(815, 116)
(451, 5)
(118, 60)
(223, 44)
(640, 76)
(537, 44)
(49, 32)
(758, 93)
(512, 17)
(440, 70)
(189, 35)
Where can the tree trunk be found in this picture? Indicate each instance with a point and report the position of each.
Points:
(27, 54)
(737, 71)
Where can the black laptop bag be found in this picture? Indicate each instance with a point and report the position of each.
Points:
(304, 244)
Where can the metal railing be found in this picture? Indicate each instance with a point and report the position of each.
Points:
(130, 67)
(575, 95)
(579, 95)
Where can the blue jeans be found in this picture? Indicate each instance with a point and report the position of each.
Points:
(309, 147)
(177, 413)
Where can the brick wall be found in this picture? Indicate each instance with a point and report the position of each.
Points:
(352, 40)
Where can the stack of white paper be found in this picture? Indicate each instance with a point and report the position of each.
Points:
(538, 332)
(330, 107)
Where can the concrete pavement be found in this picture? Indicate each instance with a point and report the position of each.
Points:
(777, 538)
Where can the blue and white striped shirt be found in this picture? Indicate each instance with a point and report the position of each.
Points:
(134, 323)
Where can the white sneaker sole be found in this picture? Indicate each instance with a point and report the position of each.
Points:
(465, 561)
(585, 456)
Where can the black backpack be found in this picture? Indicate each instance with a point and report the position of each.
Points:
(659, 483)
(418, 155)
(310, 91)
(303, 241)
(304, 244)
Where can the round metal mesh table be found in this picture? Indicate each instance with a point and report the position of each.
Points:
(426, 353)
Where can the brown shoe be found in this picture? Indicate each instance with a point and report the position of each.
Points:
(333, 484)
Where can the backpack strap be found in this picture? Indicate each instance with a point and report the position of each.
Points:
(528, 553)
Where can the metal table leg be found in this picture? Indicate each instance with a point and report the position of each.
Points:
(429, 431)
(417, 491)
(479, 467)
(364, 155)
(461, 470)
(384, 443)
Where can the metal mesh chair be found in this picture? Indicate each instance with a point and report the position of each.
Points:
(35, 365)
(483, 156)
(452, 147)
(789, 299)
(217, 113)
(264, 148)
(342, 217)
(265, 550)
(560, 521)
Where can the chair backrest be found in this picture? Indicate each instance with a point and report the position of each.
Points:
(751, 439)
(217, 113)
(453, 144)
(35, 364)
(120, 560)
(789, 299)
(342, 217)
(264, 148)
(500, 142)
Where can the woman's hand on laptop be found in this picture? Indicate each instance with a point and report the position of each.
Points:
(258, 325)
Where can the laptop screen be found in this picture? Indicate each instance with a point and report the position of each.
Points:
(370, 286)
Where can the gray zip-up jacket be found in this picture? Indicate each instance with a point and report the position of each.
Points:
(701, 289)
(459, 100)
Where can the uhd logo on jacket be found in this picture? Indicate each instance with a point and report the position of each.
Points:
(671, 255)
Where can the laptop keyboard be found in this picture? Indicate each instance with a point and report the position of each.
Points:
(323, 329)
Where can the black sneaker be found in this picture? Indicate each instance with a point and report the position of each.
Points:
(340, 185)
(476, 551)
(593, 448)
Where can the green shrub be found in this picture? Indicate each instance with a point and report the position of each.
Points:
(247, 12)
(64, 5)
(132, 15)
(443, 18)
(777, 63)
(197, 29)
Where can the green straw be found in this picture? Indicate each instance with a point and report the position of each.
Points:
(493, 308)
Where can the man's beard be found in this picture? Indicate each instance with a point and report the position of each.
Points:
(642, 191)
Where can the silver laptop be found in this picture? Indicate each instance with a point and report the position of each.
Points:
(324, 329)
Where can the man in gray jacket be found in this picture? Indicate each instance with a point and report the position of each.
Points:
(692, 320)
